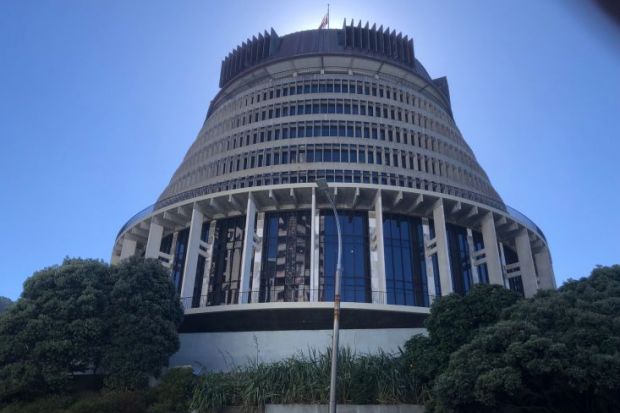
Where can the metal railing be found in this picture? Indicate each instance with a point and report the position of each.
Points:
(418, 298)
(523, 219)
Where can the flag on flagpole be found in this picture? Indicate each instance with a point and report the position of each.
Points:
(324, 22)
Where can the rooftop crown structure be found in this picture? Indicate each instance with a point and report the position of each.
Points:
(250, 242)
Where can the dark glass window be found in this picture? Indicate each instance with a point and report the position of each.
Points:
(460, 263)
(200, 268)
(355, 256)
(510, 255)
(180, 251)
(405, 267)
(516, 284)
(483, 270)
(285, 274)
(225, 271)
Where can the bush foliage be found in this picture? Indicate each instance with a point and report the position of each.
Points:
(558, 352)
(84, 317)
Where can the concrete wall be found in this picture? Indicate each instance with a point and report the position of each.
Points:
(224, 351)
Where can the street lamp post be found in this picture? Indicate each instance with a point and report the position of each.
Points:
(324, 188)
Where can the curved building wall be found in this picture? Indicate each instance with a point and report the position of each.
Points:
(251, 242)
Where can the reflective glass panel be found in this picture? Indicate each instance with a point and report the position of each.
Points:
(355, 281)
(285, 272)
(405, 267)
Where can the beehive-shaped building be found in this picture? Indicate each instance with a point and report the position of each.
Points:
(251, 242)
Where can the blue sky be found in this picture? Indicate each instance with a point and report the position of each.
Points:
(99, 100)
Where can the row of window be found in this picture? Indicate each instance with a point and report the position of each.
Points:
(331, 175)
(304, 86)
(335, 106)
(340, 129)
(361, 154)
(284, 274)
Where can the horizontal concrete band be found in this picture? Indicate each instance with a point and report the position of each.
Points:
(279, 319)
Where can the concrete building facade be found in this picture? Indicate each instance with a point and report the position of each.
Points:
(251, 242)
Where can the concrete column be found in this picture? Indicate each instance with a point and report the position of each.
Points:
(153, 243)
(545, 269)
(315, 222)
(526, 263)
(258, 258)
(377, 255)
(443, 256)
(502, 257)
(128, 249)
(191, 257)
(491, 251)
(248, 251)
(430, 274)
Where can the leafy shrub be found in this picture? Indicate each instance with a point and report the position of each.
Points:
(50, 404)
(174, 393)
(110, 402)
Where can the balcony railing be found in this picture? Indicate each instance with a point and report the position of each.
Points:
(301, 294)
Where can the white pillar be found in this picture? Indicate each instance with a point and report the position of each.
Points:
(258, 258)
(430, 274)
(443, 256)
(503, 264)
(128, 249)
(315, 222)
(491, 250)
(545, 269)
(153, 243)
(248, 251)
(526, 263)
(191, 257)
(377, 256)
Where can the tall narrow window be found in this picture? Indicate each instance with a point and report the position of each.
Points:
(405, 267)
(226, 267)
(180, 251)
(355, 256)
(200, 268)
(483, 270)
(460, 263)
(285, 274)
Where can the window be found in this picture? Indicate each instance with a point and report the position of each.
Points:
(180, 251)
(226, 269)
(483, 271)
(355, 257)
(460, 263)
(285, 274)
(405, 268)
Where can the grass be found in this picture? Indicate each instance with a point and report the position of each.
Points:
(363, 379)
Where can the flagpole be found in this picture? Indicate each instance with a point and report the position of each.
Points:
(328, 15)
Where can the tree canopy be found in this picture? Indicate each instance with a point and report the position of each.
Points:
(5, 303)
(76, 318)
(557, 352)
(452, 322)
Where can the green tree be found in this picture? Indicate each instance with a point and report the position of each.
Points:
(453, 321)
(56, 328)
(145, 314)
(558, 352)
(5, 303)
(85, 317)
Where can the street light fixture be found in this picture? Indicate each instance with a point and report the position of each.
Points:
(324, 188)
